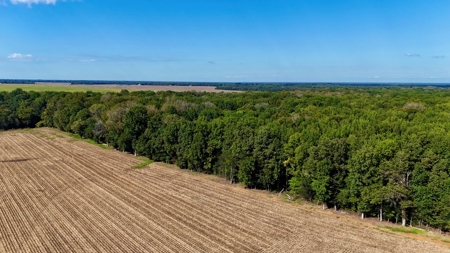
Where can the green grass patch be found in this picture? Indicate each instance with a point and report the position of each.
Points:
(145, 162)
(48, 137)
(57, 88)
(406, 230)
(27, 130)
(79, 138)
(445, 240)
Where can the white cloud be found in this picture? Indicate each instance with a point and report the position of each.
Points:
(17, 56)
(30, 2)
(412, 55)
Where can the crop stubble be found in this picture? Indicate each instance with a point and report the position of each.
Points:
(64, 196)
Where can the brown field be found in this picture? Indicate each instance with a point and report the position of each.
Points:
(157, 88)
(62, 195)
(108, 88)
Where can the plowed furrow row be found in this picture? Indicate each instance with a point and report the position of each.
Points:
(164, 216)
(167, 214)
(244, 241)
(162, 205)
(218, 216)
(21, 202)
(49, 213)
(231, 198)
(226, 207)
(19, 171)
(130, 196)
(97, 199)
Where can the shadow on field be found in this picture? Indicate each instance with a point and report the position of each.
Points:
(18, 160)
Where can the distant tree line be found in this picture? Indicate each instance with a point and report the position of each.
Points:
(240, 86)
(381, 152)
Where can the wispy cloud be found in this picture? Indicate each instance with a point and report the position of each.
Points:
(92, 58)
(87, 60)
(211, 62)
(426, 56)
(122, 58)
(20, 57)
(412, 55)
(30, 2)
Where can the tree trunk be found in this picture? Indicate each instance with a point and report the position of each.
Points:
(135, 152)
(231, 175)
(381, 212)
(362, 215)
(323, 206)
(335, 207)
(279, 194)
(403, 218)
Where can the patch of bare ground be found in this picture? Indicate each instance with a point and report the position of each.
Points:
(157, 88)
(60, 195)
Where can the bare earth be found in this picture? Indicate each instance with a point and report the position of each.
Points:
(42, 86)
(156, 88)
(61, 195)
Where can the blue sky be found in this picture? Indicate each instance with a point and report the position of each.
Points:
(227, 40)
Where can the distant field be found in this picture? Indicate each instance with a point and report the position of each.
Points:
(107, 88)
(42, 87)
(60, 194)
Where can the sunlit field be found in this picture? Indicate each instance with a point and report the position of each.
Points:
(67, 88)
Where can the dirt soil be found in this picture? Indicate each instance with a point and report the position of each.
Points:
(157, 88)
(58, 194)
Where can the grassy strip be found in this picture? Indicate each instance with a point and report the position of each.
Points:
(77, 137)
(406, 230)
(58, 88)
(445, 240)
(25, 130)
(145, 162)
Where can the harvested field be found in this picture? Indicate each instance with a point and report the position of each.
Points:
(108, 88)
(157, 88)
(62, 195)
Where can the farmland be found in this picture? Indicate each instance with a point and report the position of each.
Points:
(59, 194)
(107, 88)
(57, 88)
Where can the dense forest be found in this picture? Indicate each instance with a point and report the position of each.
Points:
(377, 151)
